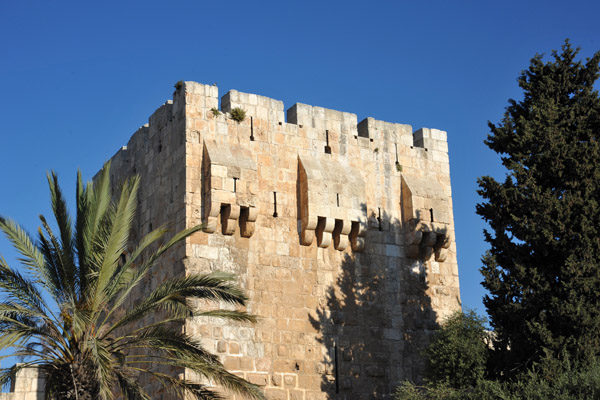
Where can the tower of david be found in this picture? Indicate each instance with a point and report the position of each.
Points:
(340, 232)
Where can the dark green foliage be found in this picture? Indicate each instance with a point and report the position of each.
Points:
(542, 269)
(457, 354)
(550, 379)
(238, 114)
(543, 266)
(484, 390)
(560, 379)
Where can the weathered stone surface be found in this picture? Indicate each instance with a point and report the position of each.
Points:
(341, 235)
(29, 384)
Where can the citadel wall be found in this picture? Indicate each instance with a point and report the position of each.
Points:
(28, 384)
(341, 234)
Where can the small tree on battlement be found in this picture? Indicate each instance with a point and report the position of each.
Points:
(64, 310)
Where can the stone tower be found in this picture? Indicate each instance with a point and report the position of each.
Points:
(342, 235)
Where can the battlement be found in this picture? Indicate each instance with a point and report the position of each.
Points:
(341, 232)
(306, 116)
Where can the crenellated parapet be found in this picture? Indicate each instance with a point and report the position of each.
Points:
(336, 160)
(340, 231)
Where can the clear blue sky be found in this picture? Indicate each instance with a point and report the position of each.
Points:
(76, 79)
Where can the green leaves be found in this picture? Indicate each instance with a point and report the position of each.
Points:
(86, 343)
(545, 218)
(457, 354)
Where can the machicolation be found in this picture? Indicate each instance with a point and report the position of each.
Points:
(341, 234)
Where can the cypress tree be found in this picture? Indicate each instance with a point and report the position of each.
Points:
(542, 270)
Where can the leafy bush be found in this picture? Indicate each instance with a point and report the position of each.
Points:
(551, 378)
(457, 354)
(238, 114)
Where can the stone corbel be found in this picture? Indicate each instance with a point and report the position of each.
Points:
(444, 240)
(328, 193)
(247, 218)
(357, 236)
(324, 231)
(427, 217)
(307, 233)
(211, 217)
(230, 214)
(340, 234)
(425, 239)
(229, 180)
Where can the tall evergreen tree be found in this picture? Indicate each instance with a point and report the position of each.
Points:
(543, 267)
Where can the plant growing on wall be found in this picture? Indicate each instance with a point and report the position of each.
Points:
(65, 310)
(238, 114)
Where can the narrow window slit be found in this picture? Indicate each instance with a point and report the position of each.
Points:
(335, 365)
(275, 204)
(327, 147)
(431, 214)
(235, 184)
(252, 129)
(338, 199)
(379, 218)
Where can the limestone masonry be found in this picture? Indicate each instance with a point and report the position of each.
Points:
(341, 234)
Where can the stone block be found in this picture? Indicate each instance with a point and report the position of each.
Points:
(301, 269)
(258, 379)
(276, 394)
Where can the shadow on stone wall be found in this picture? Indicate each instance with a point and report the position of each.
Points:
(375, 318)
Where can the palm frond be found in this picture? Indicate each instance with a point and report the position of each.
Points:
(89, 348)
(117, 240)
(104, 366)
(173, 296)
(93, 203)
(215, 373)
(55, 255)
(128, 281)
(20, 289)
(125, 281)
(130, 388)
(181, 387)
(166, 340)
(65, 228)
(30, 257)
(232, 315)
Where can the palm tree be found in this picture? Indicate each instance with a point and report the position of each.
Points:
(64, 311)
